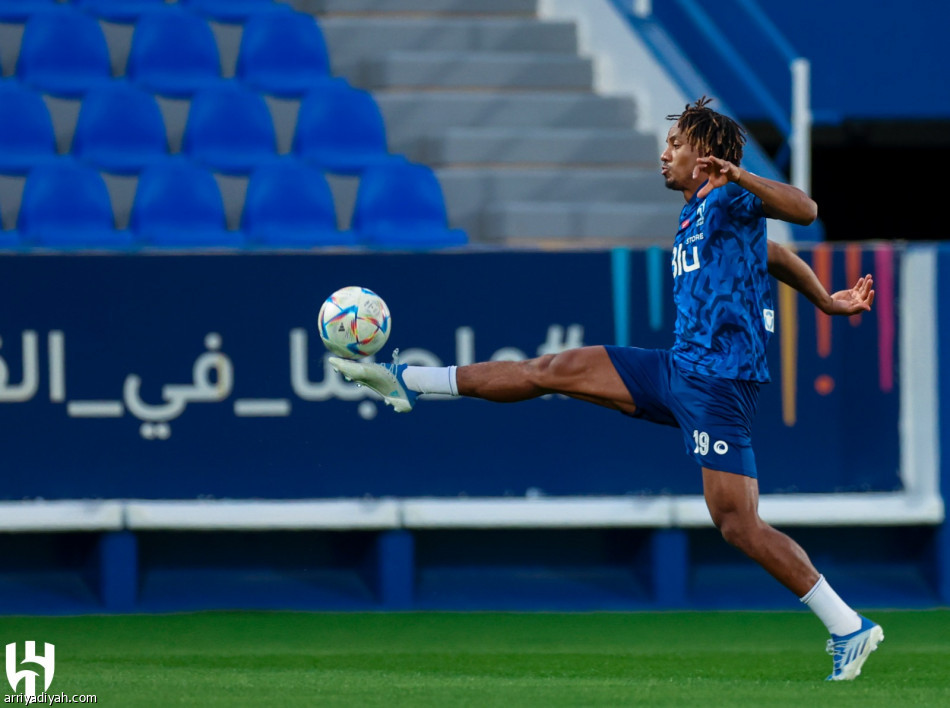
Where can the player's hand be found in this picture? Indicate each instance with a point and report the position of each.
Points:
(857, 299)
(718, 173)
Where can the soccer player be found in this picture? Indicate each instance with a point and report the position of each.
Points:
(708, 383)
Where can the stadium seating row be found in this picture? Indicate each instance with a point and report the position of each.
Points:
(177, 204)
(173, 52)
(120, 129)
(131, 10)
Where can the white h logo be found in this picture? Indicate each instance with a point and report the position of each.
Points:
(47, 661)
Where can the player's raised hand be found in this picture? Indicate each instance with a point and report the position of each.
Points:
(855, 300)
(718, 173)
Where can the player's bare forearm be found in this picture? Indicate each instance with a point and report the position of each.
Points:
(780, 200)
(789, 268)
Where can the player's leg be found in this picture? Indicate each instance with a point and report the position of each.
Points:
(586, 373)
(733, 501)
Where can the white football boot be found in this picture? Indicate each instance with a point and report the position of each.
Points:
(850, 651)
(385, 379)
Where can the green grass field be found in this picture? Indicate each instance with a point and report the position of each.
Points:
(484, 659)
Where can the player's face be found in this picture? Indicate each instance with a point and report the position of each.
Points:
(677, 162)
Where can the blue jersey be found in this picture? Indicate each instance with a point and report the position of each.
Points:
(721, 287)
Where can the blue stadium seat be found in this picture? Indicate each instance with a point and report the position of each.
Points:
(26, 130)
(63, 52)
(125, 11)
(340, 129)
(230, 129)
(282, 53)
(234, 11)
(67, 205)
(401, 205)
(10, 239)
(173, 53)
(290, 204)
(120, 129)
(178, 204)
(17, 11)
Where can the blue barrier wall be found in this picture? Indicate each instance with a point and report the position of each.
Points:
(852, 77)
(201, 377)
(141, 338)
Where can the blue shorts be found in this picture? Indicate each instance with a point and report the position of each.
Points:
(714, 414)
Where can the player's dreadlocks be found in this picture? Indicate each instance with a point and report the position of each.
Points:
(710, 132)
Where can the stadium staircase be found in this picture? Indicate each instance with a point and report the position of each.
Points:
(501, 105)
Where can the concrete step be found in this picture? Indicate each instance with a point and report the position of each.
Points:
(413, 116)
(478, 70)
(11, 37)
(474, 187)
(590, 221)
(351, 40)
(398, 7)
(469, 191)
(11, 194)
(544, 146)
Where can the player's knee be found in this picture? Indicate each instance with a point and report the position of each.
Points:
(738, 530)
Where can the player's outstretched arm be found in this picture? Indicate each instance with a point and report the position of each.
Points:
(792, 270)
(779, 200)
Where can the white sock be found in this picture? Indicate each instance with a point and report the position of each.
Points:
(831, 609)
(431, 379)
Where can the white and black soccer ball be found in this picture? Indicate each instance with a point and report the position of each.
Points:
(354, 322)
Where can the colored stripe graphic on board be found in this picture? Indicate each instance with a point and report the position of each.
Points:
(821, 261)
(620, 282)
(788, 325)
(656, 269)
(852, 269)
(884, 304)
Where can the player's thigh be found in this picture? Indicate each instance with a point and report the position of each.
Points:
(586, 373)
(730, 493)
(627, 407)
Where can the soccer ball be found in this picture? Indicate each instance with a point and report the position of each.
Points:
(354, 322)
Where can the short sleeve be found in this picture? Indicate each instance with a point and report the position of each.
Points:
(743, 204)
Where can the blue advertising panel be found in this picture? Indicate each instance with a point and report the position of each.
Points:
(203, 376)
